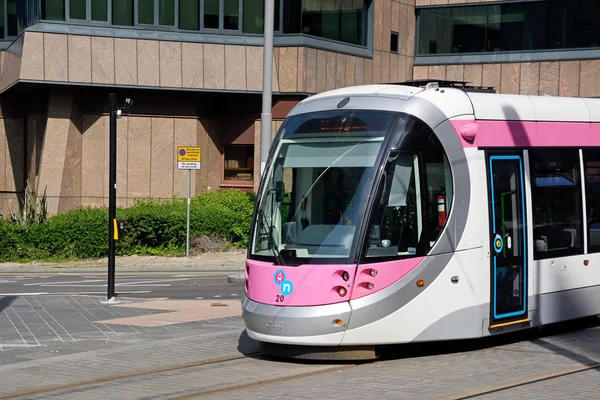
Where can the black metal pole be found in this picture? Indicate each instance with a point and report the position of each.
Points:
(112, 193)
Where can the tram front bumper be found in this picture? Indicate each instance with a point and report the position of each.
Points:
(312, 325)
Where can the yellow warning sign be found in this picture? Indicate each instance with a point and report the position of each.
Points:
(188, 157)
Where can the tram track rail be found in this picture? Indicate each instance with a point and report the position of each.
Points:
(123, 377)
(107, 380)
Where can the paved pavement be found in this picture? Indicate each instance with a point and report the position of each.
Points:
(190, 285)
(150, 349)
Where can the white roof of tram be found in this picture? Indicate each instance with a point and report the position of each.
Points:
(486, 106)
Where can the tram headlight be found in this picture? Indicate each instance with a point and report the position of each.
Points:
(370, 286)
(373, 272)
(342, 291)
(345, 276)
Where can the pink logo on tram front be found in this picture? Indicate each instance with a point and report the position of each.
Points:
(285, 285)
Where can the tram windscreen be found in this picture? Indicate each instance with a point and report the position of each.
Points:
(315, 188)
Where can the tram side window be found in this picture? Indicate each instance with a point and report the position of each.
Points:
(396, 225)
(557, 206)
(591, 158)
(439, 193)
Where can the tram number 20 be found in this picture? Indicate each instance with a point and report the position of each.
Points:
(279, 298)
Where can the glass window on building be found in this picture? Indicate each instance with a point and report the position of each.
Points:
(52, 10)
(344, 21)
(189, 14)
(145, 12)
(77, 9)
(238, 163)
(12, 25)
(231, 14)
(99, 10)
(122, 12)
(254, 16)
(211, 14)
(2, 19)
(522, 26)
(166, 12)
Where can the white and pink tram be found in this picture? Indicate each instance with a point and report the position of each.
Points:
(394, 214)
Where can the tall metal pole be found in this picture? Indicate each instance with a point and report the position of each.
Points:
(187, 236)
(112, 193)
(266, 116)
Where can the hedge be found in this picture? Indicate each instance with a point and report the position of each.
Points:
(151, 227)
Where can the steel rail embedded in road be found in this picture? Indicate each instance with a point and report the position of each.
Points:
(116, 378)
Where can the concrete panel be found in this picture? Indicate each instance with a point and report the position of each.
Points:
(70, 192)
(80, 58)
(139, 157)
(331, 70)
(103, 60)
(385, 67)
(377, 61)
(214, 66)
(321, 71)
(589, 82)
(192, 65)
(170, 64)
(511, 78)
(569, 78)
(33, 56)
(350, 70)
(549, 78)
(235, 67)
(3, 155)
(378, 26)
(301, 82)
(126, 62)
(92, 155)
(359, 70)
(254, 69)
(148, 59)
(473, 74)
(340, 70)
(386, 25)
(492, 75)
(368, 71)
(311, 70)
(288, 69)
(161, 170)
(14, 151)
(455, 72)
(55, 57)
(530, 77)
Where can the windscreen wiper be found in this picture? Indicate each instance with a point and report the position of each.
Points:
(271, 244)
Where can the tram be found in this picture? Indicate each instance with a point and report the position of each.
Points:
(393, 214)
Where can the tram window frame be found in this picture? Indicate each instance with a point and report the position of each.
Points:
(591, 166)
(556, 177)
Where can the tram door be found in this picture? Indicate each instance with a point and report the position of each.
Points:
(508, 237)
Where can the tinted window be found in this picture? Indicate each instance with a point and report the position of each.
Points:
(231, 15)
(211, 14)
(189, 14)
(591, 159)
(146, 12)
(533, 25)
(166, 12)
(53, 10)
(557, 206)
(122, 12)
(77, 9)
(99, 10)
(335, 20)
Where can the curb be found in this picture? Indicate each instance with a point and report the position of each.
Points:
(237, 278)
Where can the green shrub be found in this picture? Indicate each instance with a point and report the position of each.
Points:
(151, 228)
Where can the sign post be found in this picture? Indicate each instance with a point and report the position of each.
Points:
(188, 158)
